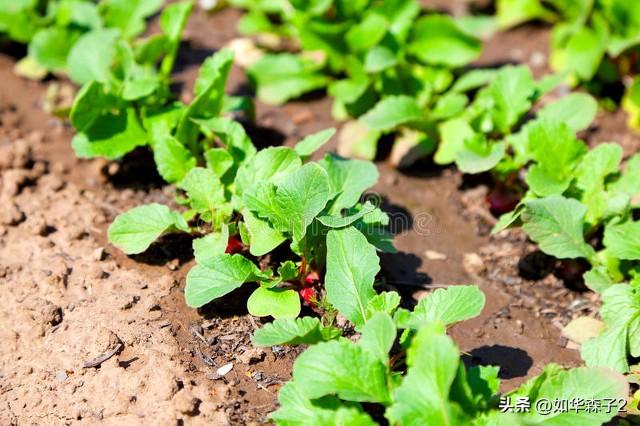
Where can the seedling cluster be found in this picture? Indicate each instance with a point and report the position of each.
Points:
(300, 232)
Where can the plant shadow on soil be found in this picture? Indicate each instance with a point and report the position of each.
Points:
(513, 362)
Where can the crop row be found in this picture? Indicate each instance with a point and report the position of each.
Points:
(299, 228)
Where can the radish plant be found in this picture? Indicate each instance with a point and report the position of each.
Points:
(596, 42)
(136, 108)
(245, 204)
(405, 366)
(383, 62)
(77, 37)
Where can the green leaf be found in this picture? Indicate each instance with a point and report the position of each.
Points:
(172, 22)
(232, 134)
(204, 189)
(219, 276)
(368, 33)
(296, 409)
(342, 221)
(391, 112)
(473, 79)
(556, 224)
(437, 40)
(90, 103)
(129, 15)
(263, 237)
(596, 165)
(294, 331)
(423, 396)
(479, 155)
(285, 76)
(277, 302)
(447, 306)
(386, 302)
(209, 91)
(51, 46)
(218, 160)
(623, 240)
(576, 110)
(342, 368)
(172, 159)
(556, 150)
(134, 231)
(311, 143)
(514, 12)
(271, 164)
(379, 59)
(378, 336)
(296, 202)
(92, 56)
(453, 134)
(111, 135)
(211, 245)
(511, 91)
(578, 384)
(348, 179)
(352, 265)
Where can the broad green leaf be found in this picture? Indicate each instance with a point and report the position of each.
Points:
(92, 56)
(232, 134)
(514, 12)
(218, 160)
(271, 164)
(391, 112)
(294, 331)
(473, 79)
(511, 91)
(342, 368)
(299, 199)
(379, 59)
(578, 384)
(211, 245)
(609, 349)
(378, 336)
(352, 265)
(129, 15)
(437, 40)
(209, 91)
(111, 136)
(296, 409)
(623, 240)
(263, 237)
(285, 76)
(368, 33)
(556, 224)
(453, 134)
(423, 396)
(172, 21)
(172, 159)
(134, 231)
(348, 179)
(311, 143)
(204, 189)
(576, 110)
(554, 147)
(89, 104)
(343, 221)
(50, 47)
(219, 276)
(478, 155)
(447, 306)
(596, 165)
(386, 302)
(277, 302)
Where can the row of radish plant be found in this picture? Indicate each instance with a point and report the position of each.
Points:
(391, 69)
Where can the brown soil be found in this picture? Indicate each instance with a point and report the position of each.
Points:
(69, 297)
